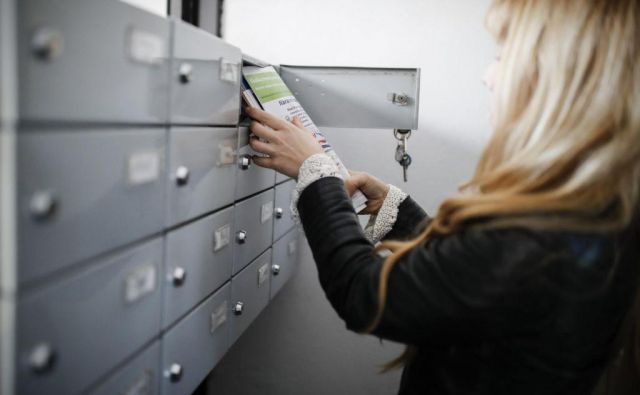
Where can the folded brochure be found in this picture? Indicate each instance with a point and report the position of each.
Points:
(263, 87)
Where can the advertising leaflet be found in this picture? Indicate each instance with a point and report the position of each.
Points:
(263, 85)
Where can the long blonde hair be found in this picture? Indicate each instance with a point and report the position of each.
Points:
(567, 126)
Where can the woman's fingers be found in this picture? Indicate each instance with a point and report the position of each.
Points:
(263, 161)
(350, 186)
(262, 131)
(268, 119)
(288, 144)
(261, 146)
(358, 179)
(296, 121)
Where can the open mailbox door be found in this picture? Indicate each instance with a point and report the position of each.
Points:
(356, 97)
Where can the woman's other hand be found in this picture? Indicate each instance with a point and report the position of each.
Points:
(287, 144)
(374, 189)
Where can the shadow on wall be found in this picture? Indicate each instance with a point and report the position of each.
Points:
(299, 345)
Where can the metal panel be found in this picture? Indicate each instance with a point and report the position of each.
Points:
(285, 260)
(141, 376)
(202, 171)
(283, 219)
(195, 345)
(159, 7)
(249, 294)
(250, 178)
(8, 247)
(73, 332)
(281, 178)
(84, 193)
(253, 228)
(80, 60)
(354, 97)
(198, 261)
(205, 78)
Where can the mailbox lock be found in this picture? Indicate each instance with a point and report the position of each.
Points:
(275, 269)
(400, 99)
(241, 237)
(175, 372)
(42, 358)
(237, 309)
(279, 212)
(43, 205)
(186, 73)
(179, 276)
(245, 162)
(46, 43)
(182, 175)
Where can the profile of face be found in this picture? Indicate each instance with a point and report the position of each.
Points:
(489, 80)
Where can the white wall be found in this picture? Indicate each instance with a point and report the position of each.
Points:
(298, 345)
(446, 39)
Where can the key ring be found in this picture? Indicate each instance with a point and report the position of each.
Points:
(401, 134)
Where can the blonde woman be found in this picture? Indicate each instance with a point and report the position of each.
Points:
(523, 282)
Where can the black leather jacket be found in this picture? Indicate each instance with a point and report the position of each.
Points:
(502, 311)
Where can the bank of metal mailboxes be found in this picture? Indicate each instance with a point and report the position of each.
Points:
(91, 60)
(146, 240)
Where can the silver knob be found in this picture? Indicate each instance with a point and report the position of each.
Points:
(245, 162)
(238, 308)
(175, 372)
(275, 269)
(279, 212)
(42, 358)
(43, 205)
(46, 43)
(241, 237)
(186, 73)
(179, 276)
(402, 100)
(182, 175)
(399, 99)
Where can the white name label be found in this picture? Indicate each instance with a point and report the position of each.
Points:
(145, 47)
(140, 282)
(227, 153)
(144, 167)
(263, 274)
(229, 71)
(266, 212)
(142, 386)
(219, 316)
(221, 237)
(291, 247)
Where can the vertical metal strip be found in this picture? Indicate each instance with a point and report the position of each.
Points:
(175, 9)
(8, 255)
(219, 18)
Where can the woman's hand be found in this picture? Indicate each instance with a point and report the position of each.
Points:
(374, 189)
(287, 144)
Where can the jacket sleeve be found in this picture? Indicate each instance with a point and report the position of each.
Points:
(411, 218)
(448, 289)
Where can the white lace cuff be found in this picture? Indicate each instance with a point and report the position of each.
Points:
(379, 225)
(315, 167)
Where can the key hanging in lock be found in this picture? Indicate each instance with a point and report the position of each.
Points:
(402, 155)
(405, 162)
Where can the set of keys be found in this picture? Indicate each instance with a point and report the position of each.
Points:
(402, 154)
